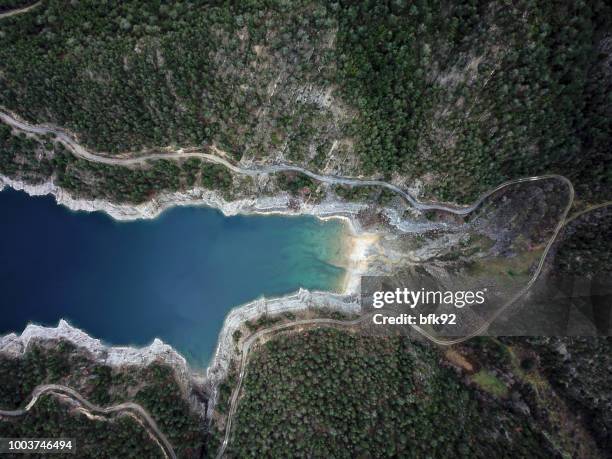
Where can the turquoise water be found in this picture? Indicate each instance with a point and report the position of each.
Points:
(174, 277)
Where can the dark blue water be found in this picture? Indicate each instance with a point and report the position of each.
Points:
(174, 277)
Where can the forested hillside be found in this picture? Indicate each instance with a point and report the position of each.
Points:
(329, 393)
(154, 387)
(458, 95)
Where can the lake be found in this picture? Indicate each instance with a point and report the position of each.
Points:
(174, 277)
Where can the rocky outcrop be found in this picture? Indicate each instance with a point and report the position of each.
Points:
(298, 302)
(16, 345)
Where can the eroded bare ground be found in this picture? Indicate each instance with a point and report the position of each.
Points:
(498, 247)
(574, 297)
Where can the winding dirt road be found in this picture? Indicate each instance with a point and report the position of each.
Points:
(25, 9)
(78, 150)
(246, 347)
(81, 152)
(130, 407)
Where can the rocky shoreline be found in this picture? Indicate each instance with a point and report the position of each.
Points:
(116, 356)
(298, 302)
(163, 201)
(16, 346)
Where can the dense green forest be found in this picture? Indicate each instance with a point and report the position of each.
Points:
(24, 157)
(586, 247)
(329, 393)
(127, 75)
(154, 387)
(479, 92)
(461, 95)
